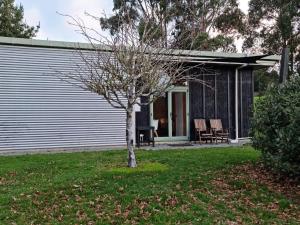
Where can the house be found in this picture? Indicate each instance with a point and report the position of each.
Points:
(38, 111)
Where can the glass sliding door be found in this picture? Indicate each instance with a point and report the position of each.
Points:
(161, 116)
(170, 115)
(179, 114)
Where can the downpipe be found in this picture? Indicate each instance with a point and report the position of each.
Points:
(236, 140)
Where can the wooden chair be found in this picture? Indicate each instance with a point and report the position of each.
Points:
(218, 130)
(202, 131)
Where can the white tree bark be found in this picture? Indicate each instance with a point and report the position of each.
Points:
(129, 136)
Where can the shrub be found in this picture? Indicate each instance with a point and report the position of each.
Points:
(276, 128)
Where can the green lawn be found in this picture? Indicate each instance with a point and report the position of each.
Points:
(205, 186)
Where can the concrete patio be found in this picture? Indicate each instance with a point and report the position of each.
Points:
(190, 145)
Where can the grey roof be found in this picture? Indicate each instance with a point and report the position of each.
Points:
(192, 55)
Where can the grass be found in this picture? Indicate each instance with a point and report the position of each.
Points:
(205, 186)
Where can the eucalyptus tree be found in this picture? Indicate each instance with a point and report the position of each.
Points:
(274, 25)
(155, 13)
(208, 25)
(199, 24)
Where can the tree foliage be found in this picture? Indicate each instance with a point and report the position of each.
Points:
(210, 25)
(273, 25)
(263, 78)
(154, 12)
(11, 21)
(276, 127)
(199, 24)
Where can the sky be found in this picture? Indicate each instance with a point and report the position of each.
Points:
(55, 26)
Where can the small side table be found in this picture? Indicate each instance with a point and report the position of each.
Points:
(149, 129)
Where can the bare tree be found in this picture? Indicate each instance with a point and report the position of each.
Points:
(127, 66)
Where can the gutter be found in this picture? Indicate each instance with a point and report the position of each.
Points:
(201, 60)
(236, 140)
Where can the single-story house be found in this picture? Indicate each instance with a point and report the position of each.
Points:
(39, 111)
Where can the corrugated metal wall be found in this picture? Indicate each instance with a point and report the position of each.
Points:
(39, 111)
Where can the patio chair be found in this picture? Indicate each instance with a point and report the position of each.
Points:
(202, 131)
(219, 132)
(155, 124)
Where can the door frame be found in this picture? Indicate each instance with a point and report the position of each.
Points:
(170, 138)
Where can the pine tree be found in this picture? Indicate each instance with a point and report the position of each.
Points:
(11, 21)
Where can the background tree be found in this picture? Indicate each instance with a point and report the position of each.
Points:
(273, 25)
(126, 66)
(200, 24)
(263, 78)
(11, 21)
(155, 13)
(210, 25)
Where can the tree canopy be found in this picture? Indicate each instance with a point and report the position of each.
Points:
(195, 24)
(208, 25)
(273, 25)
(11, 21)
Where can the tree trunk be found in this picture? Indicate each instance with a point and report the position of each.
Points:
(292, 64)
(129, 136)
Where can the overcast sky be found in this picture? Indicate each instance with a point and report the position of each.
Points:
(55, 26)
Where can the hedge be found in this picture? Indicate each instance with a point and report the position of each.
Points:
(276, 128)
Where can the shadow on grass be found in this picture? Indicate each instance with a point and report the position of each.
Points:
(143, 167)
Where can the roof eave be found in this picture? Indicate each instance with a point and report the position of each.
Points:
(188, 55)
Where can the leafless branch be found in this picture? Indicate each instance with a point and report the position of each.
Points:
(124, 67)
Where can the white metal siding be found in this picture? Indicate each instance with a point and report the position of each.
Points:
(39, 111)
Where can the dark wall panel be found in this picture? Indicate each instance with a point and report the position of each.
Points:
(209, 96)
(214, 99)
(225, 98)
(232, 102)
(143, 117)
(246, 101)
(218, 100)
(222, 98)
(197, 101)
